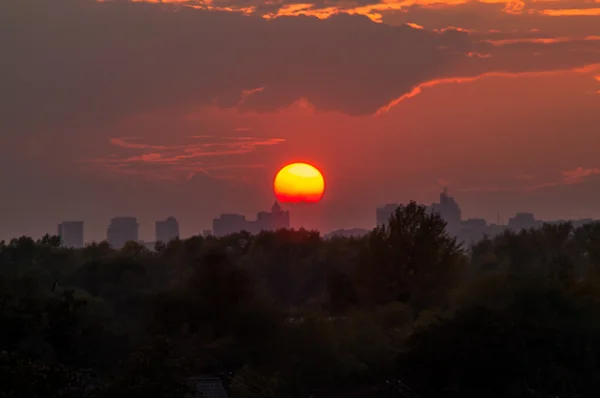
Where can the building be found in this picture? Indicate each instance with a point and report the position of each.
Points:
(167, 230)
(122, 230)
(523, 221)
(228, 224)
(449, 210)
(383, 213)
(473, 230)
(71, 234)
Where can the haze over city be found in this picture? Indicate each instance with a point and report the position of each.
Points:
(151, 110)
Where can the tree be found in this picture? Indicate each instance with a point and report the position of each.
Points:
(411, 259)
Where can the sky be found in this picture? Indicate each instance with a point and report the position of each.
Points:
(189, 108)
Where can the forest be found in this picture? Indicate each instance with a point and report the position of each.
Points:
(405, 311)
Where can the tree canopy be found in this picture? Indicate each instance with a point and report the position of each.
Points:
(404, 310)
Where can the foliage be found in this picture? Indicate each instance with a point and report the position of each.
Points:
(289, 314)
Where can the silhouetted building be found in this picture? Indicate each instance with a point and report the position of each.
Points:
(71, 234)
(228, 224)
(122, 230)
(167, 230)
(523, 221)
(472, 230)
(383, 213)
(449, 210)
(495, 229)
(207, 233)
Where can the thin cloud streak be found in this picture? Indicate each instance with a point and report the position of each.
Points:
(207, 155)
(459, 80)
(574, 176)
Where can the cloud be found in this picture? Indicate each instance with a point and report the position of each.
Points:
(526, 182)
(211, 156)
(376, 10)
(458, 80)
(556, 18)
(574, 176)
(78, 64)
(579, 174)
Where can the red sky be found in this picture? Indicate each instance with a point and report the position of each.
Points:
(189, 109)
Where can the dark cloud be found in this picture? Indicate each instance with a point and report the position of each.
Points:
(79, 63)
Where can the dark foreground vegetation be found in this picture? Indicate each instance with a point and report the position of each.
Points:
(288, 314)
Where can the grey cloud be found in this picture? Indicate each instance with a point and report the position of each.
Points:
(79, 63)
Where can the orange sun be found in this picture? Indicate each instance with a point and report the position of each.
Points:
(299, 182)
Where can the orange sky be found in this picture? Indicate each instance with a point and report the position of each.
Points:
(190, 113)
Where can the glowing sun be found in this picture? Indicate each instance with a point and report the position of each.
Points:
(299, 182)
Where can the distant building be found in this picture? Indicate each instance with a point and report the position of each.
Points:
(383, 213)
(206, 233)
(495, 229)
(523, 221)
(228, 224)
(122, 230)
(473, 230)
(71, 234)
(167, 230)
(449, 210)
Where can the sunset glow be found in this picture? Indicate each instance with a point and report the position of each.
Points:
(299, 182)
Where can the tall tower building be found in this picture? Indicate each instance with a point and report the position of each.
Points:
(279, 218)
(228, 224)
(71, 234)
(122, 230)
(167, 230)
(383, 213)
(449, 210)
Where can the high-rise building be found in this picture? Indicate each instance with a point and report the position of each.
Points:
(523, 221)
(71, 234)
(167, 230)
(384, 213)
(122, 230)
(228, 224)
(449, 210)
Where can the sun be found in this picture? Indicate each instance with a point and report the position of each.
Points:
(299, 182)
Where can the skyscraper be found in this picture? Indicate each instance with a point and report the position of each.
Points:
(122, 230)
(449, 210)
(71, 234)
(231, 223)
(384, 213)
(167, 230)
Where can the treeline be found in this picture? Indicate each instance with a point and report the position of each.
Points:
(403, 311)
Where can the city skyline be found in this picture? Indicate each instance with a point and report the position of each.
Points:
(466, 229)
(390, 100)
